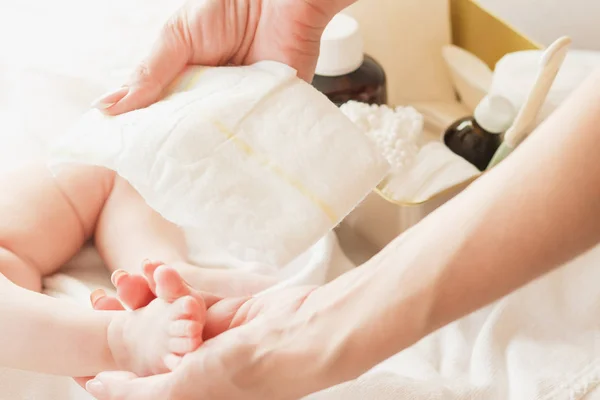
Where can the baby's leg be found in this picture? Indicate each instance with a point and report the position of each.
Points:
(43, 334)
(46, 217)
(129, 232)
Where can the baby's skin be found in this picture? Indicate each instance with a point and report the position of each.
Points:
(46, 217)
(56, 336)
(153, 339)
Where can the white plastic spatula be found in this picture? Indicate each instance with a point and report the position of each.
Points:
(550, 64)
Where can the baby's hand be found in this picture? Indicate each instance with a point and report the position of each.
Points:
(153, 339)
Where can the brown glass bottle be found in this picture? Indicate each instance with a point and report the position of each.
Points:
(477, 138)
(367, 84)
(343, 71)
(473, 143)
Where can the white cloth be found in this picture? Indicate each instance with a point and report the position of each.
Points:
(516, 72)
(434, 170)
(254, 162)
(539, 343)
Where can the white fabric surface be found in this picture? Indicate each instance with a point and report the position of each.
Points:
(252, 161)
(539, 343)
(516, 73)
(435, 169)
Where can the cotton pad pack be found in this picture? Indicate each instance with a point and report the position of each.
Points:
(254, 162)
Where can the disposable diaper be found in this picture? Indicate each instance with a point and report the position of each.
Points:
(253, 161)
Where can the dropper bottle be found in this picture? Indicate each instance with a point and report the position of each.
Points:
(476, 138)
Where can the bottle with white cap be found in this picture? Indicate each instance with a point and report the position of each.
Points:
(343, 71)
(477, 138)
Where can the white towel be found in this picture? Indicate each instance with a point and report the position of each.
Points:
(540, 343)
(516, 72)
(254, 162)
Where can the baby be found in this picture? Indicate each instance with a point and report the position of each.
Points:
(46, 216)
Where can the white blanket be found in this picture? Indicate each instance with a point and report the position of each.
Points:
(541, 342)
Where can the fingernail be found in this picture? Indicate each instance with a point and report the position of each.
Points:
(97, 295)
(117, 276)
(109, 99)
(96, 389)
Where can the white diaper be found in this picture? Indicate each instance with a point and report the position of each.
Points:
(253, 161)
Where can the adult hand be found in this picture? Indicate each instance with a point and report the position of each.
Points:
(272, 346)
(221, 32)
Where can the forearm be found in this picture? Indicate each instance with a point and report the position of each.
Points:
(535, 211)
(48, 335)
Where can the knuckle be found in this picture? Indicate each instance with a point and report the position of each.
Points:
(142, 72)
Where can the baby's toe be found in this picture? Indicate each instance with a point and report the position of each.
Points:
(185, 328)
(187, 308)
(181, 346)
(149, 267)
(169, 284)
(132, 290)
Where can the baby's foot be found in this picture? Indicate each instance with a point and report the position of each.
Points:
(220, 316)
(153, 339)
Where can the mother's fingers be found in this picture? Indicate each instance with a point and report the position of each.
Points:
(127, 386)
(167, 59)
(222, 315)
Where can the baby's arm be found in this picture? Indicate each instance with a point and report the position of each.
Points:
(48, 335)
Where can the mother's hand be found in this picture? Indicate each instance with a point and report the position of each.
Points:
(220, 32)
(285, 344)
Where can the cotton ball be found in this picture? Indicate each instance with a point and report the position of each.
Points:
(394, 131)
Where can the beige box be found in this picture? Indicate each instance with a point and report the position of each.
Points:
(407, 37)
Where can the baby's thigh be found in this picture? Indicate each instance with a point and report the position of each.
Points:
(45, 217)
